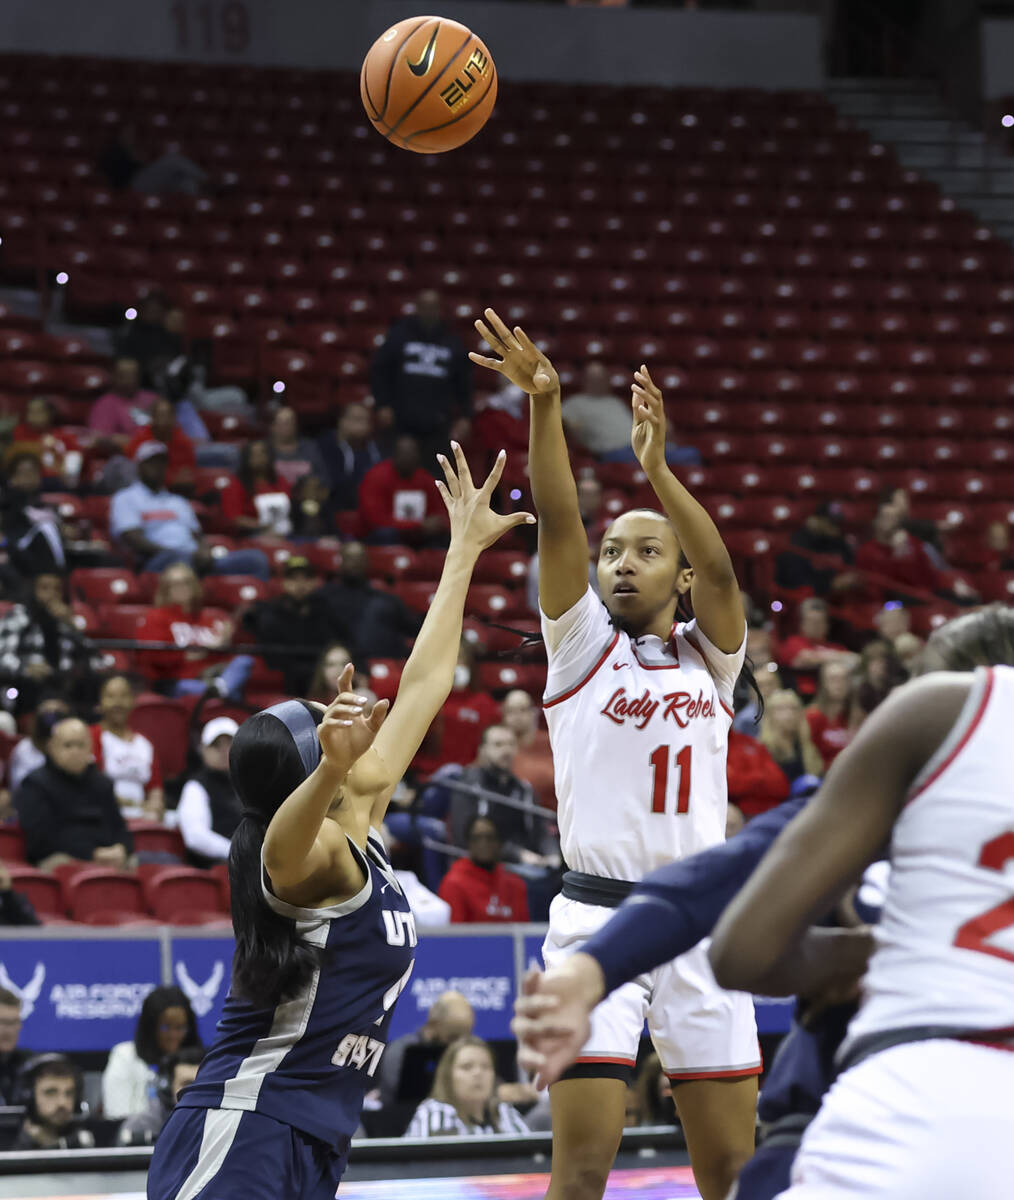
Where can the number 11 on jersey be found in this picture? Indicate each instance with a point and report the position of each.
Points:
(659, 760)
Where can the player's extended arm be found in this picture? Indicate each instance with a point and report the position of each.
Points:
(563, 543)
(429, 673)
(758, 942)
(715, 589)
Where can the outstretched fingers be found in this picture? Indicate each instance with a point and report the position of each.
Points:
(464, 474)
(493, 478)
(502, 329)
(453, 487)
(376, 717)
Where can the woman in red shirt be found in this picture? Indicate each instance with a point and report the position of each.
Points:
(828, 716)
(58, 449)
(180, 617)
(479, 888)
(257, 499)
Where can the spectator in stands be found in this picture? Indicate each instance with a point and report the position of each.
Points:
(257, 499)
(896, 556)
(997, 539)
(67, 808)
(454, 735)
(52, 1091)
(829, 716)
(180, 617)
(182, 376)
(479, 888)
(786, 733)
(127, 757)
(15, 909)
(294, 456)
(600, 422)
(398, 501)
(209, 809)
(501, 421)
(523, 836)
(654, 1093)
(421, 379)
(810, 647)
(164, 428)
(30, 528)
(40, 644)
(463, 1100)
(820, 534)
(533, 761)
(147, 340)
(378, 624)
(909, 650)
(177, 1071)
(880, 671)
(57, 448)
(12, 1057)
(120, 412)
(30, 752)
(293, 624)
(756, 782)
(324, 684)
(450, 1017)
(348, 453)
(165, 1027)
(314, 514)
(169, 174)
(160, 528)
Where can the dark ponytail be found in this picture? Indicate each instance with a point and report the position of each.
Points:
(271, 962)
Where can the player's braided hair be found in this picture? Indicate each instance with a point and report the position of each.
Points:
(979, 639)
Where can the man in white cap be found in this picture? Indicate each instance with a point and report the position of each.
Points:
(209, 809)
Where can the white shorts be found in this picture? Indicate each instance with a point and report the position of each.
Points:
(921, 1120)
(698, 1030)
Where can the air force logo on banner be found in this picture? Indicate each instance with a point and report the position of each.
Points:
(29, 994)
(201, 995)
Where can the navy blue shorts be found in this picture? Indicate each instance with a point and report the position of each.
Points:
(766, 1175)
(222, 1154)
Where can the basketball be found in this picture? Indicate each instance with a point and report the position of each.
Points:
(428, 84)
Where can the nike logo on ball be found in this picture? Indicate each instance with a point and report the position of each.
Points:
(424, 63)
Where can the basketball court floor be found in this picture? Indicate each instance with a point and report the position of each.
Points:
(653, 1183)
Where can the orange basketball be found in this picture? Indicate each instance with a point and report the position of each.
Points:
(428, 84)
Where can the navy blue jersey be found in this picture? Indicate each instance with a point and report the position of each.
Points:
(310, 1061)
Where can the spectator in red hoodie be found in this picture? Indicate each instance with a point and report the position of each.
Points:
(398, 501)
(895, 555)
(257, 500)
(756, 782)
(829, 714)
(58, 449)
(164, 428)
(807, 650)
(179, 616)
(455, 735)
(479, 888)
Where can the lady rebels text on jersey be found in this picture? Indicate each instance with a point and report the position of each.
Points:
(639, 730)
(310, 1061)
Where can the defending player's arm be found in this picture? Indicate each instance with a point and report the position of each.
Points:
(667, 914)
(715, 589)
(563, 543)
(429, 673)
(758, 942)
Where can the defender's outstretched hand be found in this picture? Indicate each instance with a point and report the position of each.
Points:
(473, 522)
(347, 729)
(521, 361)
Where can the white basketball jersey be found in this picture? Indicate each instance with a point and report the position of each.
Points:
(945, 942)
(639, 731)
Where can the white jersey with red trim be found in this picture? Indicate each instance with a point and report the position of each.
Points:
(639, 730)
(945, 942)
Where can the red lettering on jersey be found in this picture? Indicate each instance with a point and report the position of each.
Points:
(619, 708)
(684, 708)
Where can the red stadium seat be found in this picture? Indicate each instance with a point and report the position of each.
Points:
(385, 675)
(499, 677)
(152, 837)
(105, 585)
(12, 844)
(43, 890)
(166, 724)
(178, 890)
(92, 895)
(234, 591)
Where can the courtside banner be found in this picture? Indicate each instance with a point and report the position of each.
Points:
(79, 994)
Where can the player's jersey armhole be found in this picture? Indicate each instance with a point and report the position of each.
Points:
(972, 712)
(331, 911)
(691, 640)
(549, 702)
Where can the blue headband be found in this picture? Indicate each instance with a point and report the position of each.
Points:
(299, 722)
